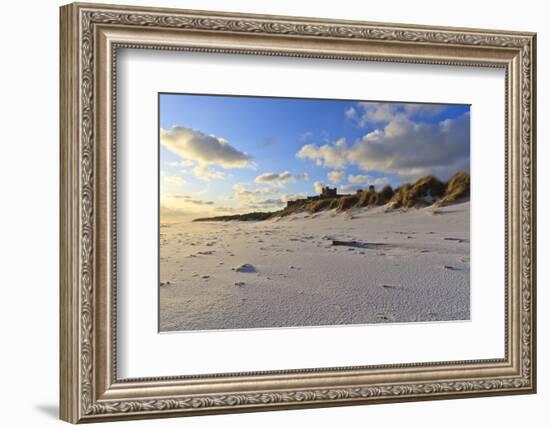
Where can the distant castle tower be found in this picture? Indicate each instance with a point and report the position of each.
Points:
(327, 192)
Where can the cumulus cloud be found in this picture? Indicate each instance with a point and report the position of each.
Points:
(402, 147)
(272, 178)
(194, 145)
(279, 179)
(377, 112)
(327, 155)
(336, 176)
(424, 110)
(384, 112)
(241, 192)
(263, 198)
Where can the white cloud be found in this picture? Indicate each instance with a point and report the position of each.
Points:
(358, 179)
(238, 186)
(402, 147)
(181, 205)
(241, 192)
(280, 179)
(384, 112)
(206, 173)
(200, 202)
(247, 199)
(336, 176)
(266, 204)
(361, 182)
(272, 178)
(349, 188)
(189, 199)
(380, 182)
(271, 203)
(181, 163)
(351, 113)
(318, 186)
(424, 110)
(192, 144)
(377, 112)
(174, 180)
(287, 197)
(331, 156)
(368, 180)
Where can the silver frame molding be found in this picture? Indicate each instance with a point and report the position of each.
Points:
(90, 37)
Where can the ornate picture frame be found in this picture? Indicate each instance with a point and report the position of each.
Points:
(90, 37)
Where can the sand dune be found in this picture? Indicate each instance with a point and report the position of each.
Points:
(366, 265)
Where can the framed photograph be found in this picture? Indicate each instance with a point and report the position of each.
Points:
(266, 212)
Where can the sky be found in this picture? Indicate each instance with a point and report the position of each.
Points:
(223, 155)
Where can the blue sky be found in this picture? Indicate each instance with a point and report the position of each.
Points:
(230, 154)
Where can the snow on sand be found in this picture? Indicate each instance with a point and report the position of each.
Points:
(361, 266)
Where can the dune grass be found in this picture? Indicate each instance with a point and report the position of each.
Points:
(422, 193)
(426, 191)
(458, 188)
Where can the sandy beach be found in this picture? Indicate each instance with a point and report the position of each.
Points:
(366, 265)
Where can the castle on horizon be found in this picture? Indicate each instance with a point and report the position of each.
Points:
(326, 193)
